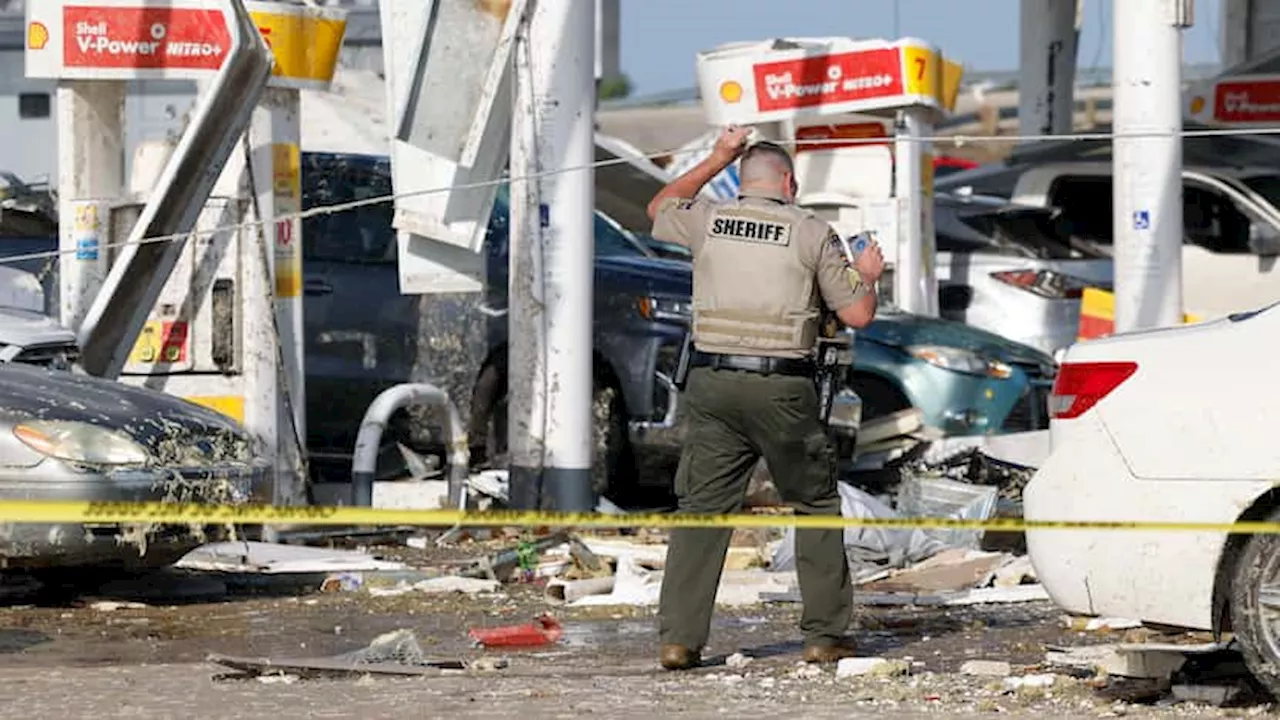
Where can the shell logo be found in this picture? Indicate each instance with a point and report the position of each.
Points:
(37, 36)
(730, 91)
(1197, 105)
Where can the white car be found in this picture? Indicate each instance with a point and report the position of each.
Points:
(1013, 270)
(1168, 426)
(1231, 220)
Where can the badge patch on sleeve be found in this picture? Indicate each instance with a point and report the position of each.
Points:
(741, 229)
(838, 246)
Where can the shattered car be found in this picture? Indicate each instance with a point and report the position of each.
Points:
(1136, 439)
(69, 436)
(1014, 271)
(964, 380)
(73, 437)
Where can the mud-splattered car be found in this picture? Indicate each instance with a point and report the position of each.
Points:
(70, 436)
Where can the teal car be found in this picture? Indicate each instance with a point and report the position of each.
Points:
(964, 380)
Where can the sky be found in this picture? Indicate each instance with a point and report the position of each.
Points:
(660, 37)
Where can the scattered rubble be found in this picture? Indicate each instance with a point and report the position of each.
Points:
(1132, 660)
(445, 584)
(1030, 681)
(111, 605)
(497, 575)
(874, 667)
(986, 668)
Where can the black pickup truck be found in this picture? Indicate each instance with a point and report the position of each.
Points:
(363, 336)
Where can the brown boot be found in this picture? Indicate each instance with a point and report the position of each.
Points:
(826, 654)
(679, 657)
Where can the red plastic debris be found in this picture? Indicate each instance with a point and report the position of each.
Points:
(544, 630)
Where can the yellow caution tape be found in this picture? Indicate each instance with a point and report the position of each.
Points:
(37, 511)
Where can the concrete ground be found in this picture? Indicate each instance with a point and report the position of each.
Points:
(82, 658)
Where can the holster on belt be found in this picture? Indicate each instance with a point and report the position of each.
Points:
(833, 354)
(681, 376)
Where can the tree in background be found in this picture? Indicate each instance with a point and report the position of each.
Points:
(614, 88)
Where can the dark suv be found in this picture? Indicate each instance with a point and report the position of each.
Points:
(363, 336)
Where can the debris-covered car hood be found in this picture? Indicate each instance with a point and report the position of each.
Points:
(166, 425)
(896, 328)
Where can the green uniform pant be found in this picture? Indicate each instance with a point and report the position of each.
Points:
(733, 418)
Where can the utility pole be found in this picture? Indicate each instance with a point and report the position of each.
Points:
(552, 255)
(1147, 151)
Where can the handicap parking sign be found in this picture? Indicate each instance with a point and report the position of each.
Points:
(1142, 220)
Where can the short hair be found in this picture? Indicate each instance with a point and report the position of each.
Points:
(764, 161)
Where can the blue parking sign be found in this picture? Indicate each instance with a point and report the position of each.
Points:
(1142, 220)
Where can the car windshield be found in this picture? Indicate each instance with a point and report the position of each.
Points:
(1022, 232)
(1268, 186)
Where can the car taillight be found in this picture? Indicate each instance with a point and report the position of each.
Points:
(1045, 283)
(1079, 386)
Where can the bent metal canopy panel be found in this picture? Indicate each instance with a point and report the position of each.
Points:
(128, 39)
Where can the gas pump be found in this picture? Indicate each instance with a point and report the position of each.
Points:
(217, 319)
(836, 99)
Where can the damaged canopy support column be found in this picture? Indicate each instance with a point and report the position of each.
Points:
(90, 181)
(552, 254)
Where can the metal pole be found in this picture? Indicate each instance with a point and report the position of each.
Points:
(1046, 82)
(90, 178)
(915, 283)
(1148, 169)
(526, 353)
(549, 427)
(278, 410)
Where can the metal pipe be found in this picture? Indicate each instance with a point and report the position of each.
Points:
(1047, 67)
(563, 592)
(365, 460)
(668, 420)
(113, 322)
(1147, 191)
(553, 131)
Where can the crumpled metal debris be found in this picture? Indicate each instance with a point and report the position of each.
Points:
(398, 646)
(883, 547)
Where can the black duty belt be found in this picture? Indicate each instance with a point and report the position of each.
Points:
(754, 364)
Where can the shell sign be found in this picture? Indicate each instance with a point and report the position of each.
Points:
(37, 36)
(785, 79)
(171, 39)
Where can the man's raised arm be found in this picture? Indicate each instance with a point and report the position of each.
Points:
(728, 147)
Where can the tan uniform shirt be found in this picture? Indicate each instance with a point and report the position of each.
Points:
(762, 267)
